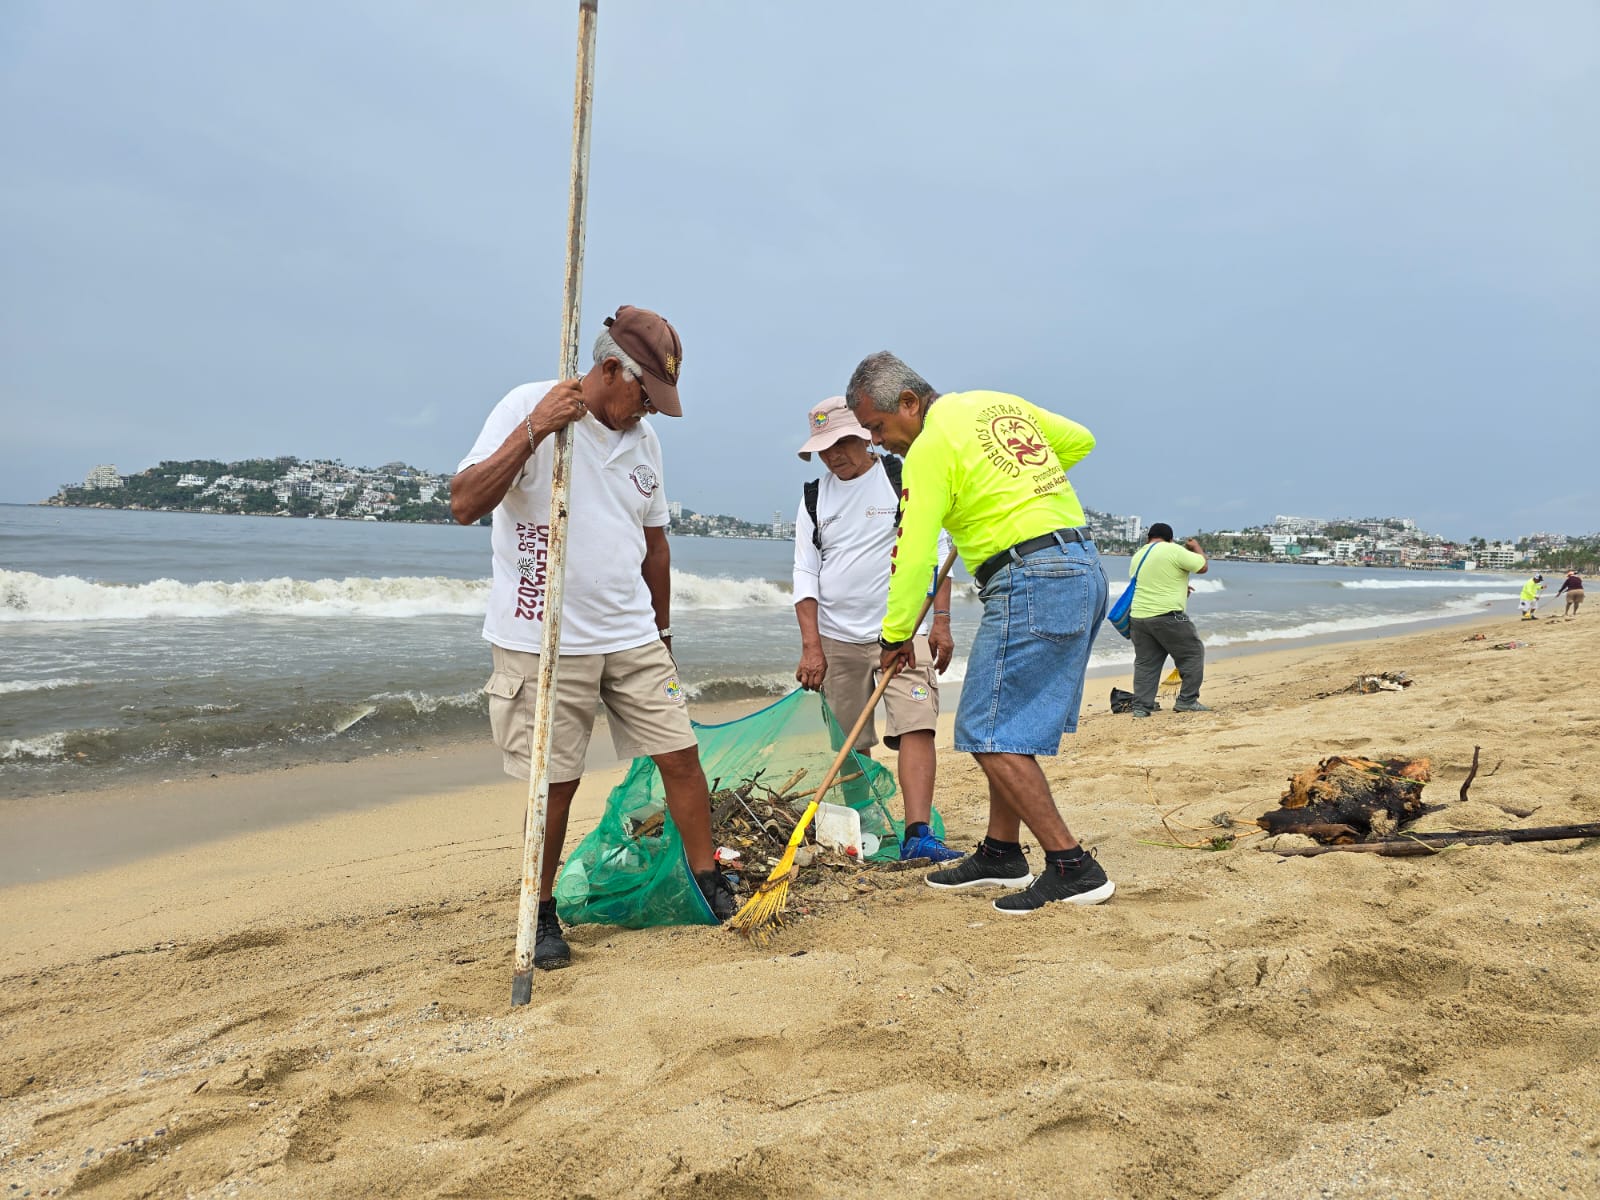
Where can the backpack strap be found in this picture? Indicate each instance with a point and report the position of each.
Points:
(810, 494)
(892, 466)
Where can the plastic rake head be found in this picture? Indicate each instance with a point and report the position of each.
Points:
(761, 916)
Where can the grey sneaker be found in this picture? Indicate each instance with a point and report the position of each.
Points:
(1195, 707)
(1085, 883)
(983, 868)
(1141, 712)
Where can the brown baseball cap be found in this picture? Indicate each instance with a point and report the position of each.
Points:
(650, 341)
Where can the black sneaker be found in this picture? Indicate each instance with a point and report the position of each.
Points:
(550, 949)
(1085, 883)
(984, 868)
(718, 892)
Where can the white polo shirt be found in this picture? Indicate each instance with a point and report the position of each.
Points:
(616, 492)
(850, 581)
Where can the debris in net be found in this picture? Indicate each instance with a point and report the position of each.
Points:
(751, 823)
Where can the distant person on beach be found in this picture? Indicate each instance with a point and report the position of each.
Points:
(616, 628)
(843, 542)
(1529, 604)
(1573, 587)
(992, 469)
(1159, 624)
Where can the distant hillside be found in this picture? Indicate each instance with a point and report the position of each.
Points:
(284, 486)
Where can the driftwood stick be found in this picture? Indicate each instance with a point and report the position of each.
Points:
(783, 791)
(1471, 775)
(1411, 845)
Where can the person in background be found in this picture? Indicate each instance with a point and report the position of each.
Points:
(1159, 624)
(1529, 603)
(843, 545)
(616, 632)
(1572, 585)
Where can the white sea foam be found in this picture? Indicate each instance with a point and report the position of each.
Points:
(702, 592)
(39, 749)
(423, 703)
(1456, 583)
(25, 596)
(28, 597)
(12, 686)
(1310, 629)
(1202, 587)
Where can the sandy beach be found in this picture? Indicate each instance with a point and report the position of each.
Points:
(314, 1002)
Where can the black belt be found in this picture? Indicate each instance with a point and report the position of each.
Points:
(994, 562)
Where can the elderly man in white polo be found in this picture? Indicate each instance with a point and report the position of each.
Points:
(616, 640)
(843, 545)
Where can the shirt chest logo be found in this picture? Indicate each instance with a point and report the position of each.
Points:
(644, 479)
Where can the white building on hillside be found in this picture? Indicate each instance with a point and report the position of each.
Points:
(1498, 557)
(104, 476)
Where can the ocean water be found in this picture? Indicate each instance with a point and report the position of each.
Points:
(147, 641)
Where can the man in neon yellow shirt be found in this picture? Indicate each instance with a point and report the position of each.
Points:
(991, 469)
(1159, 626)
(1529, 603)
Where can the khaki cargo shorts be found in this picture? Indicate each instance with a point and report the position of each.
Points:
(639, 688)
(911, 701)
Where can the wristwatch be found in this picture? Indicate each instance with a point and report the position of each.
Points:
(885, 645)
(663, 634)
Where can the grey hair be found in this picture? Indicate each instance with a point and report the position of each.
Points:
(605, 346)
(881, 378)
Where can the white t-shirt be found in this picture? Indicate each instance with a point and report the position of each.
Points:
(850, 580)
(616, 492)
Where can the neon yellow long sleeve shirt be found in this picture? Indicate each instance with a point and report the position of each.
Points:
(989, 468)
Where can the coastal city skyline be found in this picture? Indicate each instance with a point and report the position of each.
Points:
(292, 487)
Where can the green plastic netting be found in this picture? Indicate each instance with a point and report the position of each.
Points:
(614, 878)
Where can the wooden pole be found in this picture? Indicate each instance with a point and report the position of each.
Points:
(560, 487)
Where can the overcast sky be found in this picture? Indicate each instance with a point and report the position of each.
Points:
(1308, 258)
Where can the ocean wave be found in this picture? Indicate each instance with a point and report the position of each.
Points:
(13, 686)
(1456, 583)
(33, 750)
(714, 592)
(199, 732)
(1202, 587)
(28, 597)
(1309, 629)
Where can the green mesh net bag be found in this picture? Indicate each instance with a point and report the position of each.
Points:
(631, 870)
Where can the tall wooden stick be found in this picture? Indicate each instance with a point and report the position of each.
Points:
(560, 486)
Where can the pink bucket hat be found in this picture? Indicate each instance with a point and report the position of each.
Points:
(829, 422)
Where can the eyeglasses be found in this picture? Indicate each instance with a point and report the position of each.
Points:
(644, 398)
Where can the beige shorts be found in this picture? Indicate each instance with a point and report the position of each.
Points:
(639, 687)
(910, 702)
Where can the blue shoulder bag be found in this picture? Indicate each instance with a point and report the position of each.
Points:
(1121, 613)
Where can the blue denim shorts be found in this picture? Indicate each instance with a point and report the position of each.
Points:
(1024, 681)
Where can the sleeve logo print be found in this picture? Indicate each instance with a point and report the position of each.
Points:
(644, 479)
